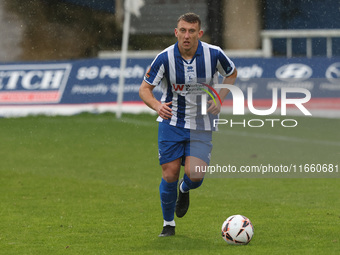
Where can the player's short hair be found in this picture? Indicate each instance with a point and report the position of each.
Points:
(190, 17)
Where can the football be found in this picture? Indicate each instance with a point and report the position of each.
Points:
(237, 229)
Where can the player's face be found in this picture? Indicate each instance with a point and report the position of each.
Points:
(187, 35)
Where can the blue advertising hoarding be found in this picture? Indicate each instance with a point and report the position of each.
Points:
(45, 87)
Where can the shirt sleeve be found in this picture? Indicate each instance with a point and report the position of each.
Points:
(224, 65)
(156, 71)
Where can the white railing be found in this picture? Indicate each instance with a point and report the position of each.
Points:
(268, 35)
(267, 45)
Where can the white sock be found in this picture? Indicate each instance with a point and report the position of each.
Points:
(180, 188)
(170, 223)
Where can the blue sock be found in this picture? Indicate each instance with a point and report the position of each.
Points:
(168, 194)
(188, 184)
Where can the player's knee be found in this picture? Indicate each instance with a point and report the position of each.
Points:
(170, 176)
(170, 172)
(195, 176)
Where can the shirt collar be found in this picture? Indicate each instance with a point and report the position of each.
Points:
(198, 52)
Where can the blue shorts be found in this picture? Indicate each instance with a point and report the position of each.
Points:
(175, 142)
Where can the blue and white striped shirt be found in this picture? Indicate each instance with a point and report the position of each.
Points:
(181, 82)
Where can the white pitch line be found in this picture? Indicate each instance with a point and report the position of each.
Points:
(280, 138)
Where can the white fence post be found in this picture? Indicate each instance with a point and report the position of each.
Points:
(267, 47)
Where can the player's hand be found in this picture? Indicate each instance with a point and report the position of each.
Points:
(214, 108)
(164, 110)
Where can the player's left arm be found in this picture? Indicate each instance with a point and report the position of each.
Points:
(215, 109)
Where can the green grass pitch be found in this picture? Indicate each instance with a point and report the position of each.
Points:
(88, 184)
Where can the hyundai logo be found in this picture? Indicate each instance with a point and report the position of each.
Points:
(333, 73)
(294, 72)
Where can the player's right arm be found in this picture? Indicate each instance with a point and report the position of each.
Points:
(145, 93)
